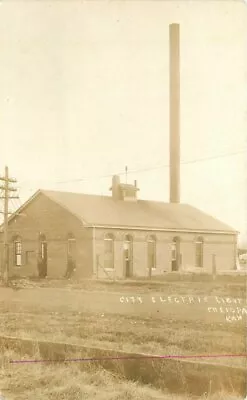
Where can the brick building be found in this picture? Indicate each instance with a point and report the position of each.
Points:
(115, 236)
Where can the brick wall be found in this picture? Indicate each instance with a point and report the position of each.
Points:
(222, 246)
(43, 215)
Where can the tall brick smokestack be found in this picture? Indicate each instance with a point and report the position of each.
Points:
(174, 43)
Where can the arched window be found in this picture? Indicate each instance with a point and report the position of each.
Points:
(17, 251)
(199, 251)
(151, 252)
(109, 251)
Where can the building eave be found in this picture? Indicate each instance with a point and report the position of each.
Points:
(199, 231)
(21, 208)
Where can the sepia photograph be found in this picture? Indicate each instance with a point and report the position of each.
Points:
(123, 200)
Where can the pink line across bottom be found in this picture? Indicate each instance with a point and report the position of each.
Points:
(128, 358)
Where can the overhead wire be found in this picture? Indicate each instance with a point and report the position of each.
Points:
(146, 169)
(17, 203)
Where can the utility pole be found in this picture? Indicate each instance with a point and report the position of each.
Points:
(6, 197)
(126, 174)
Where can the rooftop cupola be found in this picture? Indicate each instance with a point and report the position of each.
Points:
(123, 191)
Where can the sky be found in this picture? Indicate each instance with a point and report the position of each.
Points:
(85, 92)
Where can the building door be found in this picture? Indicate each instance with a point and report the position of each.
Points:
(128, 256)
(44, 258)
(199, 252)
(71, 248)
(42, 261)
(71, 256)
(175, 254)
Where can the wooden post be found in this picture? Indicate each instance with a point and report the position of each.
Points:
(6, 214)
(214, 270)
(6, 197)
(97, 266)
(94, 258)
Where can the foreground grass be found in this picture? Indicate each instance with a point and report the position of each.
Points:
(185, 285)
(147, 334)
(127, 333)
(68, 382)
(120, 332)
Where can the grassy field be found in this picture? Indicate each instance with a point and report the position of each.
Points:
(68, 382)
(130, 334)
(144, 334)
(173, 334)
(235, 286)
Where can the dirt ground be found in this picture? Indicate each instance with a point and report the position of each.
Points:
(235, 286)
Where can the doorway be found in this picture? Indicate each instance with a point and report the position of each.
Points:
(71, 247)
(199, 252)
(128, 256)
(71, 256)
(176, 253)
(42, 261)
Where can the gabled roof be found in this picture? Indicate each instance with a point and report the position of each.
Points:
(94, 210)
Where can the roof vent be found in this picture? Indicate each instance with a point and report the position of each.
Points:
(123, 191)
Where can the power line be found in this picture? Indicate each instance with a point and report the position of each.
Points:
(141, 170)
(155, 167)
